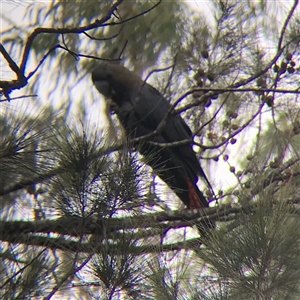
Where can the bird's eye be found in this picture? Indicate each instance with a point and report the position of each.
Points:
(104, 88)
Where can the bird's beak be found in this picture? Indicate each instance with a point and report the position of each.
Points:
(110, 106)
(109, 102)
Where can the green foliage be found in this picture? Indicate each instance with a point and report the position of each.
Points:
(260, 258)
(120, 272)
(83, 217)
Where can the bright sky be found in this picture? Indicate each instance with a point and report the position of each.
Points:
(15, 9)
(222, 178)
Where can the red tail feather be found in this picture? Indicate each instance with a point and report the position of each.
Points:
(194, 201)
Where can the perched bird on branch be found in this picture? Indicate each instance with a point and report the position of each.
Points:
(144, 112)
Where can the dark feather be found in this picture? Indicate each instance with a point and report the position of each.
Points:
(140, 109)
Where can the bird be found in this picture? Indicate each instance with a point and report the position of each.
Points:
(142, 110)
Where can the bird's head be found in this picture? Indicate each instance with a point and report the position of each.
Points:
(102, 78)
(116, 82)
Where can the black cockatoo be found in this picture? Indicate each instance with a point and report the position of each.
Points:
(140, 109)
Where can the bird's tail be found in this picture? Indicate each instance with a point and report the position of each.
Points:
(196, 197)
(197, 201)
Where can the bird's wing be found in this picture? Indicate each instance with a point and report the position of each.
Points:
(151, 108)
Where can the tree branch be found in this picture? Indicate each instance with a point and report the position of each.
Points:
(7, 86)
(78, 30)
(31, 233)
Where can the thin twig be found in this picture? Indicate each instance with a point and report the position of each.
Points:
(82, 29)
